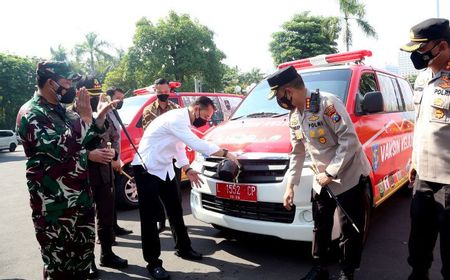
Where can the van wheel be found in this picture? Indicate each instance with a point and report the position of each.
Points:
(12, 147)
(126, 190)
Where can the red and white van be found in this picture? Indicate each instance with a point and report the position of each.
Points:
(131, 115)
(258, 132)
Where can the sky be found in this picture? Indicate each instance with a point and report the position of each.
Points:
(242, 28)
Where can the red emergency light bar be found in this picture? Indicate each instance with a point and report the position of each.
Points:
(328, 59)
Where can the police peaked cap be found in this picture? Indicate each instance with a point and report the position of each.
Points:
(280, 78)
(426, 31)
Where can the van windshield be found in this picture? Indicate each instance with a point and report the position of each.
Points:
(335, 81)
(131, 106)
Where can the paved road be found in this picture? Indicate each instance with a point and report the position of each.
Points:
(228, 256)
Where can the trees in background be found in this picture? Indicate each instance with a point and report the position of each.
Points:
(17, 85)
(305, 36)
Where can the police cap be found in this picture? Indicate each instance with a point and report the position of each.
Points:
(280, 78)
(91, 83)
(426, 31)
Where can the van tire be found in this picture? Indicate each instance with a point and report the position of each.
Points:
(12, 147)
(126, 191)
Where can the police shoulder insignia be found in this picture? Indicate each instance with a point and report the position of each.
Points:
(308, 103)
(312, 133)
(322, 140)
(445, 84)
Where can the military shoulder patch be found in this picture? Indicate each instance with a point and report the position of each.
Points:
(308, 103)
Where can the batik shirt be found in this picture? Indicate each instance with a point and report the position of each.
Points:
(53, 139)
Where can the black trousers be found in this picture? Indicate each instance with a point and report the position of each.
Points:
(162, 213)
(430, 215)
(350, 242)
(102, 182)
(150, 189)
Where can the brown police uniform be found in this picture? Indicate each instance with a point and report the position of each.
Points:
(154, 110)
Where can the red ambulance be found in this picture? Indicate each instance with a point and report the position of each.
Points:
(258, 132)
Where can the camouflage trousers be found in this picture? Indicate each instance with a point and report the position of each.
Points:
(67, 240)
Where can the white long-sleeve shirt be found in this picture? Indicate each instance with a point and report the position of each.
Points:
(165, 139)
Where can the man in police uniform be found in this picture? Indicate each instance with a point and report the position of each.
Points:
(61, 199)
(160, 106)
(320, 122)
(101, 179)
(430, 207)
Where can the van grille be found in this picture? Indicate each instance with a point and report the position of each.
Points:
(261, 211)
(252, 170)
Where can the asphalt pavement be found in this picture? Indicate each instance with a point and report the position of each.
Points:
(227, 255)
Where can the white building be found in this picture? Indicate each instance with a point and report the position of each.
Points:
(405, 66)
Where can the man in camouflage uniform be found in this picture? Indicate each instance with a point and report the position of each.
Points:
(430, 172)
(60, 197)
(151, 112)
(320, 124)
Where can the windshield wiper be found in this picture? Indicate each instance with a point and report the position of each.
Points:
(261, 114)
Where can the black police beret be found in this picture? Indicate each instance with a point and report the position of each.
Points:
(91, 83)
(426, 31)
(280, 78)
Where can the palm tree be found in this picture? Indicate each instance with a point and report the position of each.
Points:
(92, 47)
(58, 54)
(354, 10)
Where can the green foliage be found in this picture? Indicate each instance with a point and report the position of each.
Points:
(91, 56)
(17, 85)
(411, 78)
(234, 78)
(353, 10)
(305, 36)
(177, 48)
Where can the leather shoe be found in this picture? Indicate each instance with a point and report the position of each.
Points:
(158, 273)
(419, 275)
(317, 273)
(122, 231)
(93, 271)
(189, 254)
(113, 261)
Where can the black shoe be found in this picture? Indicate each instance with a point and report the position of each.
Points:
(345, 275)
(93, 271)
(419, 275)
(161, 225)
(158, 273)
(122, 231)
(113, 261)
(189, 254)
(317, 273)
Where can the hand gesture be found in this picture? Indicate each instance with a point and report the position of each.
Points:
(105, 105)
(232, 157)
(412, 175)
(288, 198)
(83, 105)
(196, 181)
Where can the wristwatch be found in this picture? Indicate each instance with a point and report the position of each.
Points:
(225, 152)
(329, 175)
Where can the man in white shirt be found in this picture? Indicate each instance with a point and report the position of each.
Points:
(165, 139)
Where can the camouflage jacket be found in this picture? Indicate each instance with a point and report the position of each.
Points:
(53, 140)
(154, 110)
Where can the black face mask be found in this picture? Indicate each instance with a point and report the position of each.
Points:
(285, 102)
(119, 105)
(163, 97)
(199, 122)
(68, 97)
(421, 60)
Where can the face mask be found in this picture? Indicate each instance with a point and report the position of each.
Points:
(163, 97)
(285, 102)
(421, 60)
(199, 122)
(119, 105)
(68, 97)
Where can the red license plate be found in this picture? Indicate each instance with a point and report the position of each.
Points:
(237, 191)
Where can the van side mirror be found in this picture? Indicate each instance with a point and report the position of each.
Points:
(373, 102)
